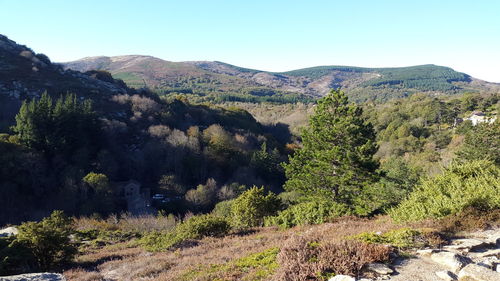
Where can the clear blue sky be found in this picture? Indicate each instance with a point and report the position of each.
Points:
(268, 35)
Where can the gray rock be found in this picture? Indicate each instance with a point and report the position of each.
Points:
(34, 277)
(474, 272)
(379, 268)
(488, 262)
(426, 252)
(342, 278)
(494, 239)
(489, 253)
(451, 260)
(446, 275)
(466, 244)
(9, 231)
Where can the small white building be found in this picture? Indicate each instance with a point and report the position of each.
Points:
(479, 117)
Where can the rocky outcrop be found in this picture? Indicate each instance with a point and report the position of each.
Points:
(342, 278)
(474, 272)
(379, 268)
(450, 260)
(9, 231)
(25, 75)
(34, 277)
(475, 257)
(446, 275)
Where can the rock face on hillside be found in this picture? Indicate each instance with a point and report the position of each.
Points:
(472, 258)
(34, 277)
(25, 74)
(9, 231)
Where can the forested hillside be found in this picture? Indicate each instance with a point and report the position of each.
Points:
(72, 125)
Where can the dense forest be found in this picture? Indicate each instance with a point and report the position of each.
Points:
(198, 151)
(201, 154)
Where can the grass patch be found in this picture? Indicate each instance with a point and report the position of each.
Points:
(254, 267)
(195, 227)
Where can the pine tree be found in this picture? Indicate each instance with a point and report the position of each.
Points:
(61, 127)
(336, 159)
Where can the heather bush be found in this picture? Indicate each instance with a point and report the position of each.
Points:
(195, 227)
(312, 212)
(470, 219)
(251, 207)
(303, 259)
(473, 184)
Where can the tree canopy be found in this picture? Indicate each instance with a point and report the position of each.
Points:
(336, 159)
(63, 126)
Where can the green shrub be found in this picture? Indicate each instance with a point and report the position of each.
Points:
(473, 184)
(314, 212)
(15, 258)
(255, 267)
(403, 238)
(400, 238)
(48, 240)
(250, 208)
(100, 238)
(223, 209)
(195, 227)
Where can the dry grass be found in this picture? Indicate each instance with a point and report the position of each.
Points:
(80, 274)
(217, 255)
(127, 222)
(207, 252)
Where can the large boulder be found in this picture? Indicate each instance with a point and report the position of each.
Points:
(466, 245)
(342, 278)
(34, 277)
(446, 275)
(9, 231)
(379, 268)
(451, 260)
(474, 272)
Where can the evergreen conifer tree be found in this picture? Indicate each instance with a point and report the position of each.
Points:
(336, 159)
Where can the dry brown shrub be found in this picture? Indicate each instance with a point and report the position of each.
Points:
(79, 274)
(95, 223)
(470, 219)
(304, 259)
(144, 104)
(143, 223)
(127, 222)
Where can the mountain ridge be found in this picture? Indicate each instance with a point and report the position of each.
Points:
(361, 83)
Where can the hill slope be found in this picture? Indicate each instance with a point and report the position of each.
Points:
(204, 77)
(25, 75)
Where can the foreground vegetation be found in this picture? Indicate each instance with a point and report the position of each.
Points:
(331, 175)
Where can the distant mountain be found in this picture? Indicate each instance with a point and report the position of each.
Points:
(207, 77)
